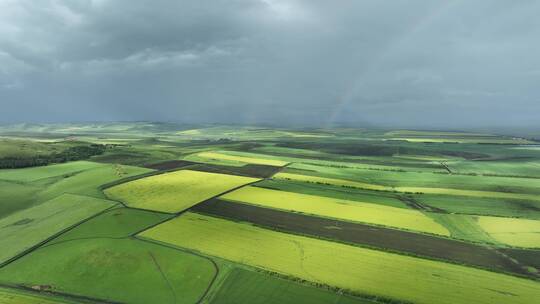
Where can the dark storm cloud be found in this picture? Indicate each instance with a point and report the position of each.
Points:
(397, 63)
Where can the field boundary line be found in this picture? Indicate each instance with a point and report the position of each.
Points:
(214, 264)
(65, 295)
(52, 237)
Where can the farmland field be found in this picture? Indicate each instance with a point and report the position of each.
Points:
(376, 237)
(141, 272)
(512, 231)
(166, 213)
(8, 296)
(258, 288)
(356, 269)
(339, 209)
(241, 159)
(174, 191)
(22, 230)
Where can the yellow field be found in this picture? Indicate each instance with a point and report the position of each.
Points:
(175, 191)
(243, 159)
(338, 208)
(512, 231)
(344, 266)
(427, 190)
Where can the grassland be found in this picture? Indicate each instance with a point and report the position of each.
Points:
(258, 288)
(339, 209)
(10, 296)
(115, 223)
(175, 191)
(125, 270)
(241, 159)
(347, 267)
(15, 196)
(22, 230)
(37, 173)
(512, 231)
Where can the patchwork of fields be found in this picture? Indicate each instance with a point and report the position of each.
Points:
(347, 267)
(216, 215)
(339, 209)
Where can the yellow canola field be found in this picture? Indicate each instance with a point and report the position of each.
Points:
(243, 159)
(348, 267)
(175, 191)
(338, 209)
(512, 231)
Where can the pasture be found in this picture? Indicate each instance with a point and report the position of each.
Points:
(337, 208)
(347, 267)
(12, 296)
(260, 288)
(25, 229)
(140, 272)
(175, 191)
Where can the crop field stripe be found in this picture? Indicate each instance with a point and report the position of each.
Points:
(243, 159)
(348, 267)
(387, 239)
(338, 208)
(427, 190)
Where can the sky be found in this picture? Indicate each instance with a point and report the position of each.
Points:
(416, 64)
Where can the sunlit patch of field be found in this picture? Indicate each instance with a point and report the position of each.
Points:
(338, 209)
(512, 231)
(347, 267)
(175, 191)
(242, 159)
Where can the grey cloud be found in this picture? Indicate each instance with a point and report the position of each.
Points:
(418, 63)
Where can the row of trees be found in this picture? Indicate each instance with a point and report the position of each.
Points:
(70, 154)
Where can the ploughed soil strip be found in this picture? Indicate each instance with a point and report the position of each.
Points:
(169, 165)
(371, 236)
(251, 170)
(529, 257)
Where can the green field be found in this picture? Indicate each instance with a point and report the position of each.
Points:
(11, 296)
(406, 189)
(115, 223)
(37, 173)
(352, 268)
(140, 272)
(22, 230)
(175, 191)
(259, 288)
(15, 196)
(339, 209)
(512, 231)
